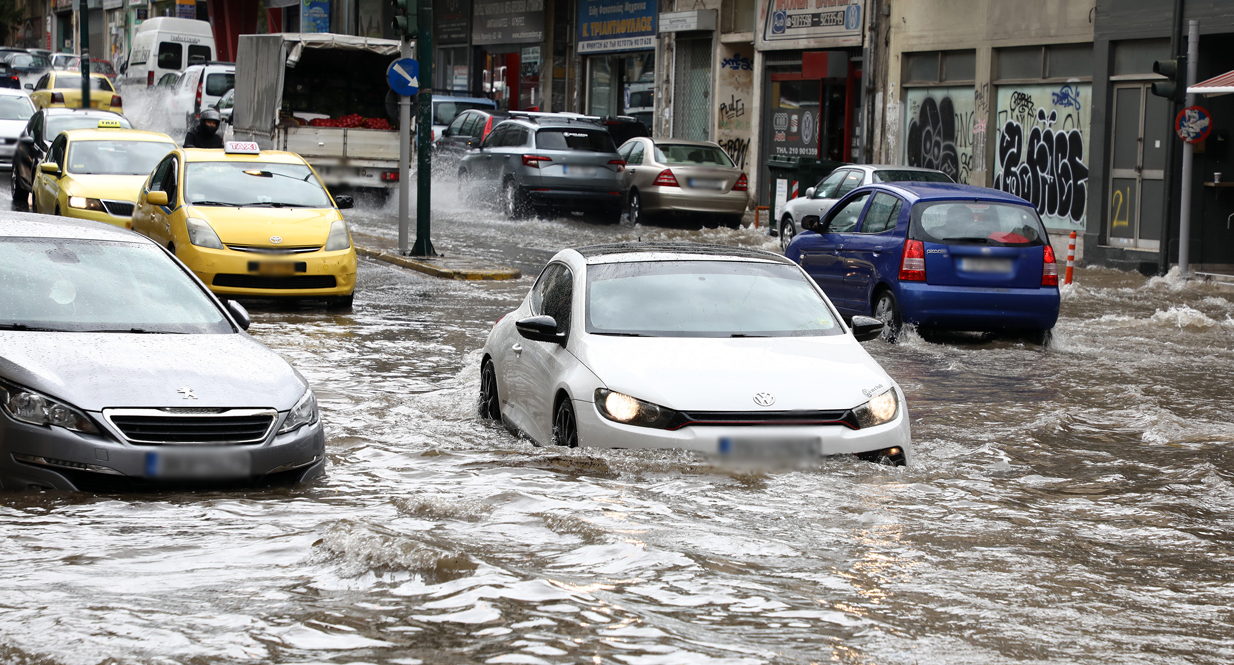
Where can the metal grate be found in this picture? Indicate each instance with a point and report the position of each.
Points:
(273, 250)
(692, 90)
(185, 426)
(119, 208)
(275, 283)
(765, 418)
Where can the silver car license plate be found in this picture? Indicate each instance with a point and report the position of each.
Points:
(705, 183)
(986, 265)
(580, 171)
(212, 463)
(770, 448)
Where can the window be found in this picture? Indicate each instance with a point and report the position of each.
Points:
(1055, 61)
(845, 220)
(636, 154)
(978, 222)
(516, 137)
(199, 52)
(852, 180)
(494, 139)
(941, 66)
(553, 295)
(456, 127)
(1020, 63)
(477, 128)
(42, 84)
(160, 173)
(218, 84)
(1069, 61)
(883, 213)
(692, 155)
(116, 157)
(826, 189)
(1137, 56)
(467, 124)
(171, 56)
(56, 154)
(73, 82)
(589, 140)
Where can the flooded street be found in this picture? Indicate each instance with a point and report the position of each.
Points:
(1070, 505)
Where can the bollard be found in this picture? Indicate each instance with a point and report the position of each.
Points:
(1070, 260)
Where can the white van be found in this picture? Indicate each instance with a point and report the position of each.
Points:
(166, 44)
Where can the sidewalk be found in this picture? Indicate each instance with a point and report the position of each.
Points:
(449, 267)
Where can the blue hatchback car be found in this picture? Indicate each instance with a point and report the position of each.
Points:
(935, 255)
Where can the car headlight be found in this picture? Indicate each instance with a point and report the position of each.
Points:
(339, 239)
(38, 409)
(303, 413)
(202, 234)
(879, 410)
(627, 410)
(84, 203)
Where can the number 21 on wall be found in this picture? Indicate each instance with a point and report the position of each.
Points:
(1121, 208)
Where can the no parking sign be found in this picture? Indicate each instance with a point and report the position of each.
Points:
(1193, 124)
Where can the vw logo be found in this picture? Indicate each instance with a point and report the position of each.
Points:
(764, 399)
(276, 239)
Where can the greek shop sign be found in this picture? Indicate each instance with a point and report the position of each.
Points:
(825, 23)
(616, 25)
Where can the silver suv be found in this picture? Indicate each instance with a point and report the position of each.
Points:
(548, 161)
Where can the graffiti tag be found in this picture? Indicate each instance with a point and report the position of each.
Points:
(733, 108)
(738, 62)
(1048, 170)
(1067, 96)
(932, 138)
(738, 150)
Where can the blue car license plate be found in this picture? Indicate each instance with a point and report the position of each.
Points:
(199, 463)
(771, 448)
(986, 265)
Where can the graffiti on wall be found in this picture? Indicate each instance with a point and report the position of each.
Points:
(1040, 155)
(735, 79)
(940, 131)
(738, 150)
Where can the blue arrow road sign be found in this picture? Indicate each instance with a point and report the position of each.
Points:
(404, 76)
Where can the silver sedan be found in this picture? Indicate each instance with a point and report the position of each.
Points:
(119, 370)
(672, 177)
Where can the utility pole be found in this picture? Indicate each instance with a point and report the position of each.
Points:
(1184, 210)
(404, 158)
(424, 131)
(83, 20)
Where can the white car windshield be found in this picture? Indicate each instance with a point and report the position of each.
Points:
(705, 299)
(243, 184)
(15, 108)
(70, 285)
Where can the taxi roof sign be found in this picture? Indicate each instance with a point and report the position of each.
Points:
(241, 148)
(110, 124)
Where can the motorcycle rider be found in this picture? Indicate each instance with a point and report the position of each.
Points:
(206, 133)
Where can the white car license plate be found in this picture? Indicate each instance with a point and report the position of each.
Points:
(580, 171)
(705, 183)
(201, 463)
(986, 265)
(769, 448)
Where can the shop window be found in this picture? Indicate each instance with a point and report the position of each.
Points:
(1021, 63)
(940, 66)
(1069, 61)
(1137, 56)
(1055, 61)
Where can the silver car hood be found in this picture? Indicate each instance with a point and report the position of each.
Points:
(709, 374)
(93, 371)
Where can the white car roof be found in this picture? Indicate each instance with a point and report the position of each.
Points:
(630, 252)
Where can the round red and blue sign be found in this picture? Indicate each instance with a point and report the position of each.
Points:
(1193, 124)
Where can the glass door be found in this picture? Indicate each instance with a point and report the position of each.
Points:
(1137, 173)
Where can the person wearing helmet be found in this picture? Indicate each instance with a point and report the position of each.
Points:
(206, 133)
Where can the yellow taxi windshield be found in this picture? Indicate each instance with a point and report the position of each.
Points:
(116, 157)
(244, 184)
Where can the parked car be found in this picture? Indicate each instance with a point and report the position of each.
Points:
(122, 371)
(817, 200)
(44, 126)
(467, 131)
(168, 80)
(65, 62)
(26, 64)
(63, 90)
(934, 255)
(675, 177)
(9, 80)
(447, 107)
(15, 112)
(201, 87)
(546, 161)
(713, 349)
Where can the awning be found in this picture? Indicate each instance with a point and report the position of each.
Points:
(1217, 85)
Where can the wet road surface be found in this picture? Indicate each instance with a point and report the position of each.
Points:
(1069, 505)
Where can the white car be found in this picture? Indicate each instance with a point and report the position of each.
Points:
(817, 200)
(201, 87)
(719, 350)
(15, 112)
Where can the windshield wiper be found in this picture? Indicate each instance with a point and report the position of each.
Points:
(745, 335)
(620, 334)
(134, 331)
(270, 204)
(216, 203)
(22, 326)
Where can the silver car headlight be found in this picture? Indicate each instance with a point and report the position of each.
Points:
(339, 239)
(303, 413)
(879, 410)
(202, 234)
(627, 410)
(35, 408)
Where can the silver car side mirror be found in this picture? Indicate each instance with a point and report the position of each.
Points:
(809, 192)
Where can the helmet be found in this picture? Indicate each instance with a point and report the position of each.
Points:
(210, 114)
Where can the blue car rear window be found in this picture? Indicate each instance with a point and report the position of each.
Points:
(977, 222)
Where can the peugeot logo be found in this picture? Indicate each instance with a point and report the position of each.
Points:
(188, 393)
(764, 399)
(276, 239)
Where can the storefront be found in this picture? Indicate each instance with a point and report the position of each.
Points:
(510, 34)
(616, 39)
(62, 34)
(810, 76)
(452, 29)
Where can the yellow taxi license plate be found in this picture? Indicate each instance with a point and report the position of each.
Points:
(276, 268)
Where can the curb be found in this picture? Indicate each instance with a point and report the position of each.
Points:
(426, 266)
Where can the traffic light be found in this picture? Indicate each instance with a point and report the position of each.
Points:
(405, 17)
(1174, 89)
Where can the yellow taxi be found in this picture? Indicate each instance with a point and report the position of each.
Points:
(62, 89)
(96, 174)
(250, 223)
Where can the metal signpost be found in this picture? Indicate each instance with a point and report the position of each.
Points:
(84, 21)
(404, 78)
(414, 20)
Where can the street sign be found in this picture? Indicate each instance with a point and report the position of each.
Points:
(404, 76)
(1193, 124)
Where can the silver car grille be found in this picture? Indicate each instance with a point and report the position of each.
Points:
(192, 426)
(119, 208)
(273, 250)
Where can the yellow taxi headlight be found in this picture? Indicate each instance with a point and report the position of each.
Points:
(202, 234)
(86, 204)
(338, 237)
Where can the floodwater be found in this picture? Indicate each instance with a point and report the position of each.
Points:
(1066, 505)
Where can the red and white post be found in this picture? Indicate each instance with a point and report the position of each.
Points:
(1070, 259)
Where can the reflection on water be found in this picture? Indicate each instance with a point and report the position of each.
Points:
(1067, 505)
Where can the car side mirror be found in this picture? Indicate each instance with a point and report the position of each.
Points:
(50, 167)
(809, 222)
(809, 192)
(866, 328)
(540, 329)
(344, 201)
(156, 198)
(29, 86)
(240, 314)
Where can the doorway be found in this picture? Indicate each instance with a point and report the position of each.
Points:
(1137, 173)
